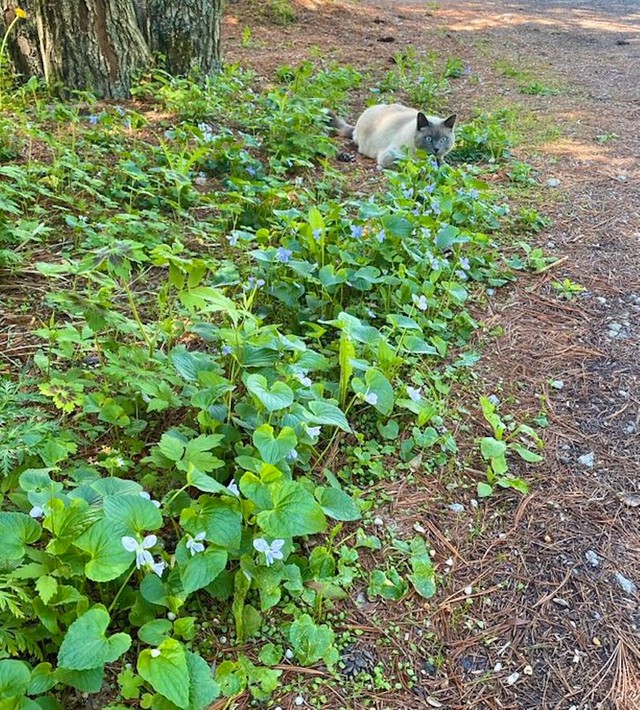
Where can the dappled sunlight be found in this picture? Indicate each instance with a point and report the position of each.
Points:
(559, 18)
(590, 153)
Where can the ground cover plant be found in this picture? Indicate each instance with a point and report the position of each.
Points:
(219, 314)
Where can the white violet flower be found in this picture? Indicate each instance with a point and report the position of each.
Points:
(147, 496)
(158, 567)
(414, 393)
(371, 398)
(232, 487)
(420, 301)
(194, 544)
(155, 652)
(143, 556)
(313, 431)
(271, 551)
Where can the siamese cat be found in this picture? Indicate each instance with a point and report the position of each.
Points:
(382, 131)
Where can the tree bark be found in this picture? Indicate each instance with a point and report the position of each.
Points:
(185, 32)
(99, 45)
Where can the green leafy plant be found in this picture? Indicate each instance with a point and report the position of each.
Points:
(567, 288)
(507, 438)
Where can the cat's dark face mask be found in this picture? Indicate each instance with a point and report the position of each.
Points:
(435, 138)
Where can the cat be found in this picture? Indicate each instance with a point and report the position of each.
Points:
(383, 130)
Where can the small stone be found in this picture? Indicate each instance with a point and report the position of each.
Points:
(299, 700)
(512, 678)
(468, 591)
(627, 585)
(527, 670)
(561, 602)
(592, 558)
(622, 177)
(288, 654)
(456, 507)
(498, 667)
(587, 460)
(553, 182)
(378, 521)
(596, 642)
(601, 300)
(557, 384)
(624, 394)
(473, 503)
(615, 327)
(418, 528)
(433, 702)
(631, 500)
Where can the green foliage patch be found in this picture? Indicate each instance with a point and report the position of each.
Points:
(219, 314)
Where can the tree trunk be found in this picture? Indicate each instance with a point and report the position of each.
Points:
(185, 32)
(99, 45)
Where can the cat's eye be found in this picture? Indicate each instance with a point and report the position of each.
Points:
(428, 139)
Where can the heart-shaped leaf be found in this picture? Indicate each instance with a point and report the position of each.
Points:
(278, 396)
(271, 448)
(165, 669)
(327, 413)
(108, 558)
(17, 530)
(14, 680)
(85, 644)
(295, 512)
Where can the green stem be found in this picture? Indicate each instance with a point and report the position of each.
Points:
(124, 584)
(137, 318)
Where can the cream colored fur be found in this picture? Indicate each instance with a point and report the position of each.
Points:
(383, 131)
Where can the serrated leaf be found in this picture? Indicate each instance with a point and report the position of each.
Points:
(86, 646)
(199, 570)
(387, 585)
(155, 632)
(47, 587)
(132, 515)
(220, 518)
(295, 512)
(108, 558)
(168, 672)
(203, 689)
(423, 577)
(172, 445)
(310, 642)
(17, 530)
(14, 680)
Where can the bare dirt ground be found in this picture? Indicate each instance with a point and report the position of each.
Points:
(540, 607)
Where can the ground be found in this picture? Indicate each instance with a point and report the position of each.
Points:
(539, 606)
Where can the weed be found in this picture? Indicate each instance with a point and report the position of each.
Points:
(567, 289)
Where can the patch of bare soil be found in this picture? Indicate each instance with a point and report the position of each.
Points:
(539, 608)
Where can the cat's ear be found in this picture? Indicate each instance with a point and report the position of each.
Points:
(423, 121)
(448, 122)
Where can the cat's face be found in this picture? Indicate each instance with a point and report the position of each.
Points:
(435, 138)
